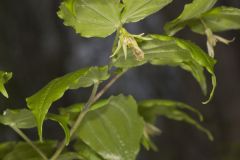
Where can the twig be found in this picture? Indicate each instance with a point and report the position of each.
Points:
(77, 122)
(18, 131)
(93, 98)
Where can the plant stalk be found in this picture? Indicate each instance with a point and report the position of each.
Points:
(77, 122)
(93, 98)
(20, 133)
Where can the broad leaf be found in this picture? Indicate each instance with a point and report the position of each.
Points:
(136, 10)
(91, 18)
(18, 118)
(218, 19)
(4, 78)
(191, 11)
(63, 122)
(150, 109)
(164, 50)
(86, 152)
(23, 151)
(40, 102)
(114, 131)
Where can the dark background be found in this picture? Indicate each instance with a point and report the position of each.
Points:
(37, 47)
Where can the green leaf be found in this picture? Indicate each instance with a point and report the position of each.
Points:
(73, 111)
(18, 118)
(164, 50)
(63, 121)
(114, 131)
(136, 10)
(24, 119)
(86, 152)
(150, 109)
(4, 78)
(218, 19)
(70, 156)
(91, 18)
(5, 148)
(40, 102)
(203, 59)
(191, 11)
(169, 104)
(23, 151)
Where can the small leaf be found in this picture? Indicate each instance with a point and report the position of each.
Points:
(136, 10)
(115, 130)
(218, 19)
(40, 102)
(91, 18)
(23, 151)
(191, 11)
(164, 50)
(63, 121)
(18, 118)
(150, 109)
(4, 78)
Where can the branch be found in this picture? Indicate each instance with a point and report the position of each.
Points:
(20, 133)
(93, 98)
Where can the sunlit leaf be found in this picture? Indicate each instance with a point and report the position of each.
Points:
(150, 109)
(114, 131)
(4, 78)
(18, 118)
(191, 11)
(40, 102)
(136, 10)
(164, 50)
(91, 18)
(218, 19)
